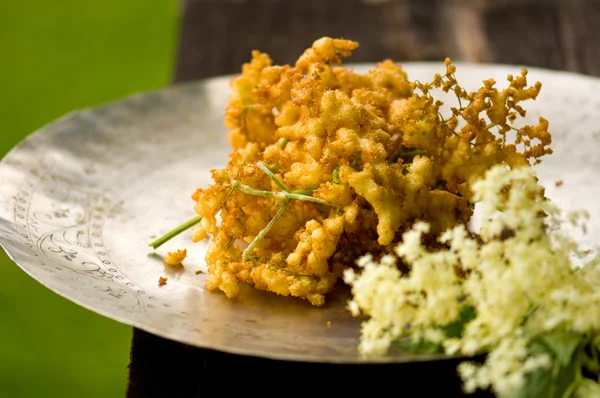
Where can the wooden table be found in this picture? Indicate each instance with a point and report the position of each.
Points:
(217, 37)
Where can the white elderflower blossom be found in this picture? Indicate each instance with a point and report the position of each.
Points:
(411, 248)
(388, 260)
(517, 278)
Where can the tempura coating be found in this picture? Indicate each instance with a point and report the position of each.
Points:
(174, 259)
(328, 164)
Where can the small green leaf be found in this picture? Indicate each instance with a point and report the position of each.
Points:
(336, 175)
(455, 329)
(452, 330)
(356, 162)
(537, 384)
(566, 350)
(592, 360)
(563, 345)
(420, 347)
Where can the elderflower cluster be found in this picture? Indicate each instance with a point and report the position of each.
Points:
(516, 277)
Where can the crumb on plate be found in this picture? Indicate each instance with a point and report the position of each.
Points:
(175, 258)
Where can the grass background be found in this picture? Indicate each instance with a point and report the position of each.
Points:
(57, 56)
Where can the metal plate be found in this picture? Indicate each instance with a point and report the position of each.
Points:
(81, 199)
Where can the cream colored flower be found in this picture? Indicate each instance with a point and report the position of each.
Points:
(518, 277)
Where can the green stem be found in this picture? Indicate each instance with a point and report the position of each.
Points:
(238, 186)
(295, 195)
(173, 233)
(282, 141)
(270, 174)
(264, 231)
(285, 195)
(237, 175)
(442, 120)
(307, 191)
(459, 101)
(568, 393)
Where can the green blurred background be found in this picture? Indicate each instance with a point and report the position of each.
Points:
(57, 56)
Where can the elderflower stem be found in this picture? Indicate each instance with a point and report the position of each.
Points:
(307, 191)
(270, 174)
(295, 195)
(264, 231)
(174, 232)
(238, 186)
(282, 142)
(306, 198)
(285, 195)
(573, 386)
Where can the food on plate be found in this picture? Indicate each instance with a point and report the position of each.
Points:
(328, 164)
(370, 178)
(174, 259)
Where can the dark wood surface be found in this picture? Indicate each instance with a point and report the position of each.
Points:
(217, 37)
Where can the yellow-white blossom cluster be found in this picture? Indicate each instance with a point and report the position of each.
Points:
(516, 275)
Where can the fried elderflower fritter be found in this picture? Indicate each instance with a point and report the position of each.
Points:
(328, 164)
(174, 259)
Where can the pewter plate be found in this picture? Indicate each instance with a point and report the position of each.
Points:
(81, 199)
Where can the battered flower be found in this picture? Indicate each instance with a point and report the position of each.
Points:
(175, 258)
(328, 165)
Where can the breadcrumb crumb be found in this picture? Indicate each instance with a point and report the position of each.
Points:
(162, 281)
